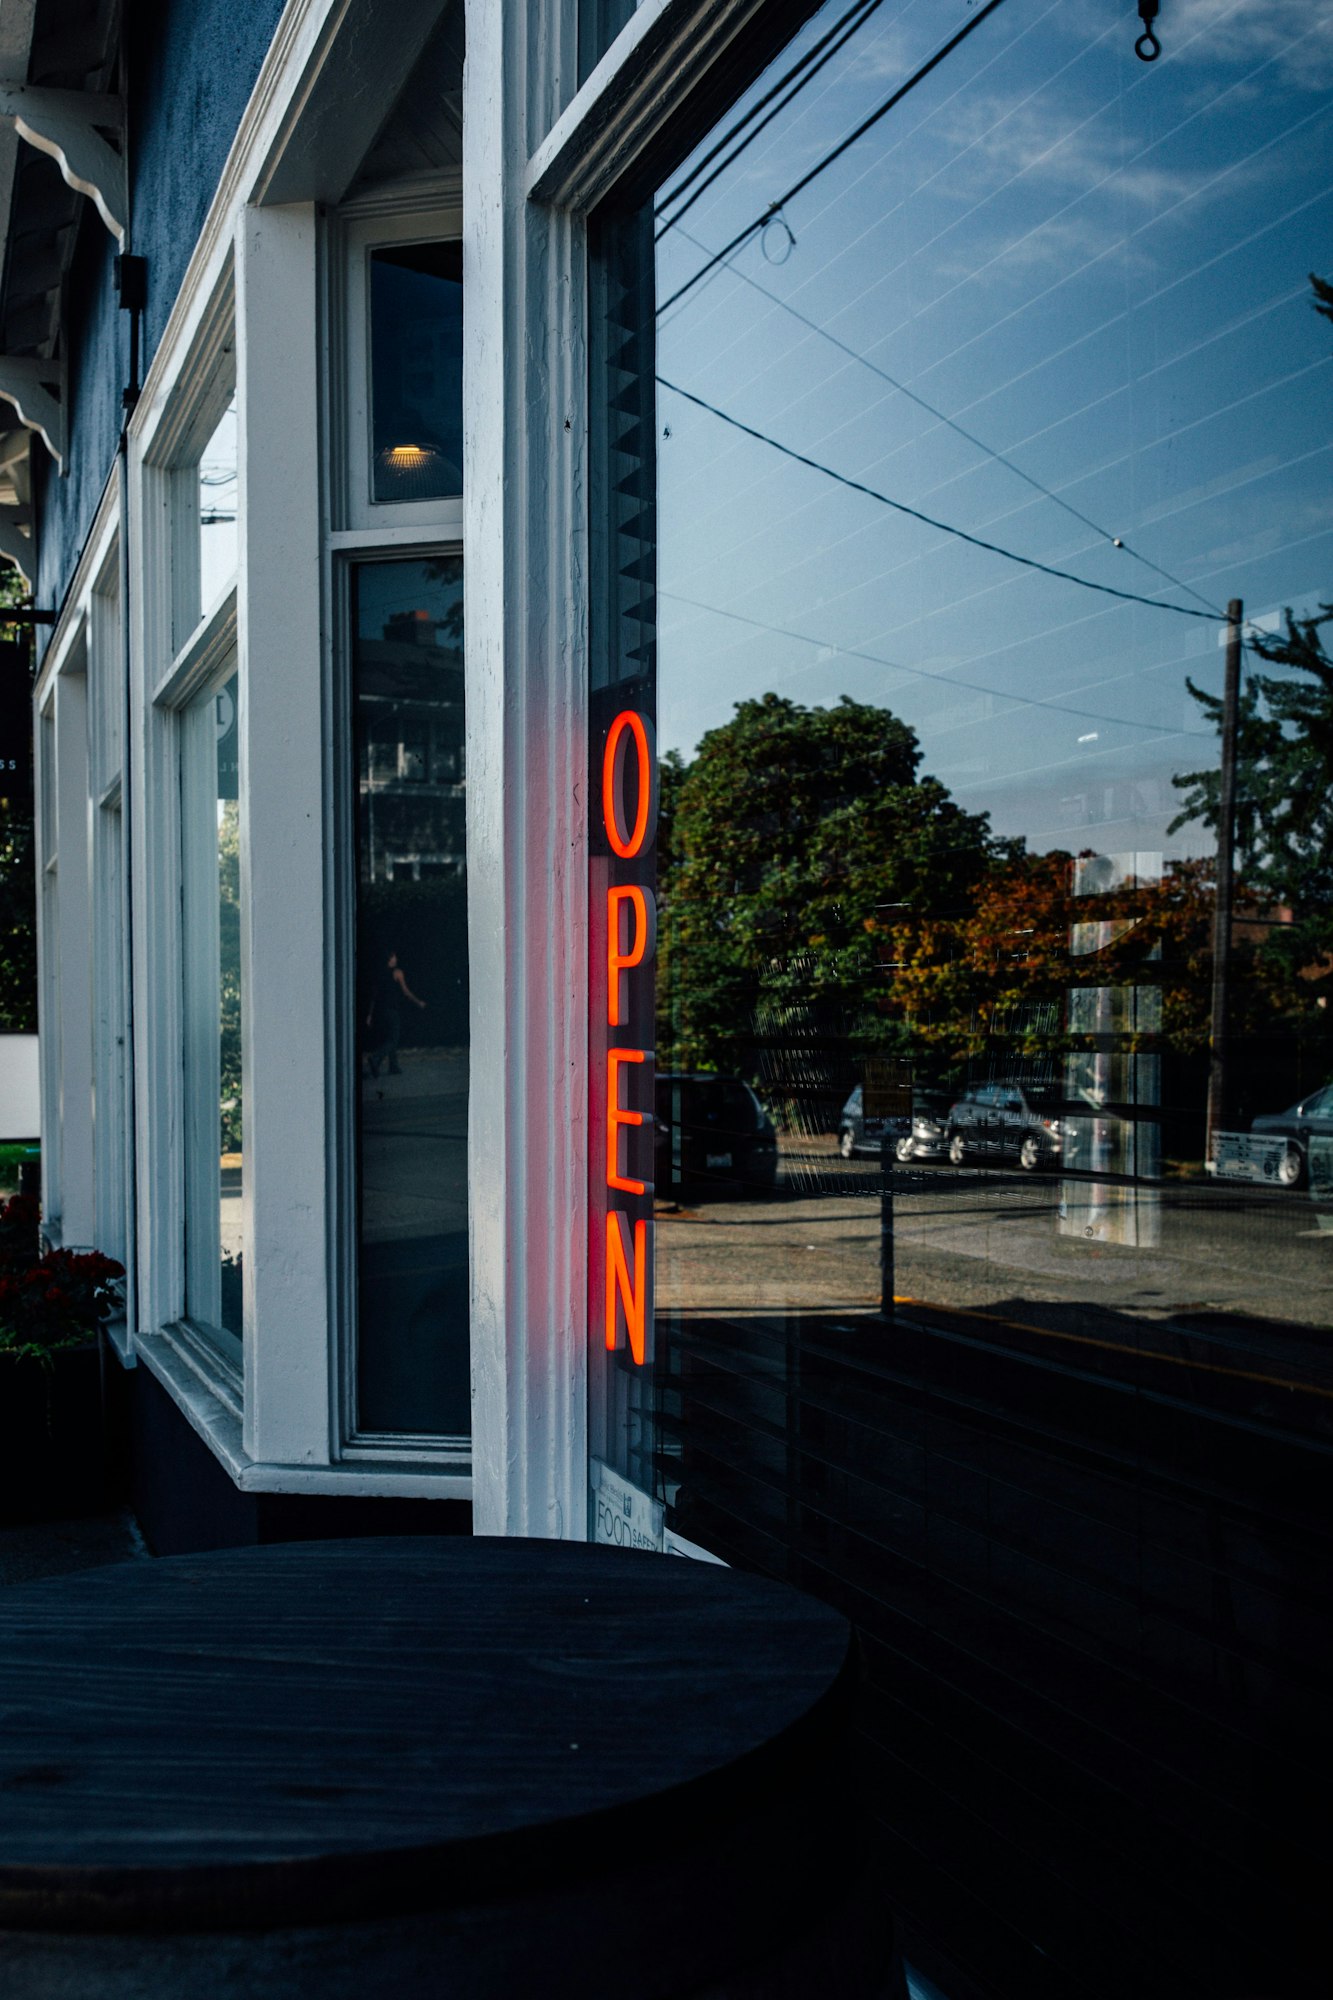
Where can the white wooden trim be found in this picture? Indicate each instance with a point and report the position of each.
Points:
(525, 537)
(69, 629)
(200, 659)
(48, 946)
(286, 948)
(97, 551)
(445, 525)
(67, 125)
(220, 1430)
(648, 74)
(153, 765)
(78, 1215)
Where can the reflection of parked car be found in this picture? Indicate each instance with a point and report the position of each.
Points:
(1312, 1118)
(1019, 1119)
(923, 1136)
(712, 1129)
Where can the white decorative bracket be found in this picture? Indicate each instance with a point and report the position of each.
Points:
(65, 124)
(20, 551)
(34, 388)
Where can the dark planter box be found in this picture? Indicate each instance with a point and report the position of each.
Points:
(56, 1455)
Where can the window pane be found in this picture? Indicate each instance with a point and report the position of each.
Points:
(412, 997)
(416, 342)
(217, 510)
(942, 417)
(211, 911)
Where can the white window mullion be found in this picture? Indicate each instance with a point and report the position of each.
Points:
(524, 540)
(284, 947)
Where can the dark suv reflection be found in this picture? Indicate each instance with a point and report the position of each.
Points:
(712, 1131)
(1019, 1120)
(1312, 1118)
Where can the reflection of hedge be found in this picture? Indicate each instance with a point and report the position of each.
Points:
(426, 924)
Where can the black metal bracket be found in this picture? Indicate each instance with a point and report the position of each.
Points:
(132, 294)
(1148, 48)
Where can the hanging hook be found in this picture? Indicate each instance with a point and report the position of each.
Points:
(1148, 48)
(776, 239)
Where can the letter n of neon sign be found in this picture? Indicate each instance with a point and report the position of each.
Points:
(627, 1294)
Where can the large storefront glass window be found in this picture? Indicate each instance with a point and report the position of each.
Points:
(962, 520)
(412, 997)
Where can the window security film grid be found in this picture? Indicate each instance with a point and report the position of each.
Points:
(1015, 1345)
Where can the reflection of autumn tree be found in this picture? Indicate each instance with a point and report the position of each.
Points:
(995, 974)
(787, 850)
(996, 964)
(229, 957)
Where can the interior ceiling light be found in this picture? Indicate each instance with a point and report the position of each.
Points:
(411, 469)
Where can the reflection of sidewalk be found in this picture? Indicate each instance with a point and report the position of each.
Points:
(414, 1147)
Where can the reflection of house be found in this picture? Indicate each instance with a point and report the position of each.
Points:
(411, 755)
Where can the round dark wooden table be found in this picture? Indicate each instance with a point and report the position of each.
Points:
(465, 1767)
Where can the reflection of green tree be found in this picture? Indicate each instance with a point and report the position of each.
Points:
(18, 921)
(1284, 788)
(229, 954)
(788, 851)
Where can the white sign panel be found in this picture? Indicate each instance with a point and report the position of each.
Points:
(20, 1097)
(623, 1516)
(1247, 1156)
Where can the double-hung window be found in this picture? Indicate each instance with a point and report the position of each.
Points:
(397, 570)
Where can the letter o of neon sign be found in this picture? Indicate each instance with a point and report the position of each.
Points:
(629, 726)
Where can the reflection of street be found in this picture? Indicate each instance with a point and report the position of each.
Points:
(414, 1148)
(413, 1355)
(989, 1240)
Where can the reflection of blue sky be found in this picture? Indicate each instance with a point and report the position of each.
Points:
(1097, 267)
(217, 510)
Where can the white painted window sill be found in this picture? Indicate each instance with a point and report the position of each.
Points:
(217, 1424)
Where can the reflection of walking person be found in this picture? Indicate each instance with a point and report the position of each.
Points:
(385, 1019)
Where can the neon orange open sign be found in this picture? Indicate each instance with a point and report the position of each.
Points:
(624, 924)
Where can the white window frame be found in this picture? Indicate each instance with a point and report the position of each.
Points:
(81, 996)
(48, 953)
(535, 163)
(179, 647)
(423, 1449)
(387, 220)
(205, 663)
(112, 1166)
